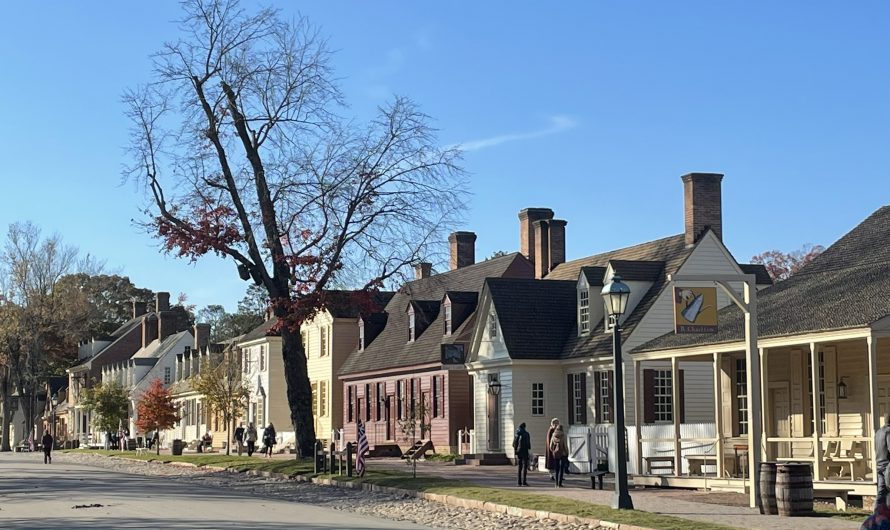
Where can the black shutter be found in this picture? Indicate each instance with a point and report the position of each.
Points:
(570, 393)
(682, 397)
(583, 419)
(648, 396)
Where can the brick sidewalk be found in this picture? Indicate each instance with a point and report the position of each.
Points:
(732, 509)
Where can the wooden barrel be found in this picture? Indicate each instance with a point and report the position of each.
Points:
(768, 488)
(794, 489)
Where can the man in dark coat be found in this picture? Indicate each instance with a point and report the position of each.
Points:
(882, 456)
(522, 445)
(47, 443)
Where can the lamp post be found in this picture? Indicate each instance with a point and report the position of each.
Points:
(54, 401)
(616, 293)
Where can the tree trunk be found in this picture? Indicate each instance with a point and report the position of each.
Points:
(6, 402)
(299, 390)
(228, 434)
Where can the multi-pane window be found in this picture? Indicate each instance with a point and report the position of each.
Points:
(323, 342)
(579, 400)
(350, 395)
(411, 323)
(537, 399)
(435, 396)
(448, 319)
(604, 414)
(741, 394)
(663, 397)
(247, 360)
(261, 411)
(315, 396)
(262, 358)
(166, 375)
(492, 325)
(322, 398)
(367, 402)
(584, 310)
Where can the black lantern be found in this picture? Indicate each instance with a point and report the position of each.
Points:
(616, 293)
(494, 387)
(842, 389)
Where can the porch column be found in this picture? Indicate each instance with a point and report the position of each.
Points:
(766, 413)
(755, 408)
(718, 413)
(874, 414)
(638, 415)
(817, 414)
(675, 414)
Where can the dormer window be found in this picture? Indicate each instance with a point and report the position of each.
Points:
(584, 311)
(361, 335)
(448, 318)
(492, 325)
(411, 324)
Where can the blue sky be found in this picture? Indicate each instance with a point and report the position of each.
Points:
(593, 109)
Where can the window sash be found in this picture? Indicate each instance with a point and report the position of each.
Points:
(537, 399)
(584, 310)
(663, 397)
(579, 397)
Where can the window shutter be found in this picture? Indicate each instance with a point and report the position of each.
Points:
(648, 396)
(583, 419)
(570, 393)
(682, 398)
(597, 400)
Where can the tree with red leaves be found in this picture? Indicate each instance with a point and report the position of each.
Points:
(241, 144)
(781, 265)
(156, 410)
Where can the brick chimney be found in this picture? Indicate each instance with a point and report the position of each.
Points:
(149, 329)
(202, 336)
(423, 270)
(702, 205)
(463, 249)
(167, 324)
(557, 242)
(162, 301)
(541, 248)
(527, 217)
(138, 308)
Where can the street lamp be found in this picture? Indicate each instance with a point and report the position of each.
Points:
(54, 401)
(615, 293)
(494, 387)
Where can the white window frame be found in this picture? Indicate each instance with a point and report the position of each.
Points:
(579, 400)
(167, 375)
(604, 414)
(323, 341)
(662, 396)
(537, 399)
(492, 325)
(584, 311)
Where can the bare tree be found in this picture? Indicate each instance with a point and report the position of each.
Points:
(219, 381)
(240, 144)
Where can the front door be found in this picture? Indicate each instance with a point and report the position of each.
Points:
(781, 419)
(494, 423)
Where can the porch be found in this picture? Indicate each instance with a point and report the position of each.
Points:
(823, 395)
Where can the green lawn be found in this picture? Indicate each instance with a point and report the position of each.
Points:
(398, 479)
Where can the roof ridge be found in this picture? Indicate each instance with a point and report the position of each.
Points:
(622, 249)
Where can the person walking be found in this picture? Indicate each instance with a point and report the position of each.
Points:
(551, 462)
(560, 450)
(882, 456)
(251, 439)
(47, 443)
(522, 446)
(268, 440)
(239, 438)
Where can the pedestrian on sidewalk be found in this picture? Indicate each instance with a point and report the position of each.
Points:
(251, 439)
(47, 443)
(239, 438)
(882, 457)
(560, 450)
(551, 462)
(522, 446)
(269, 440)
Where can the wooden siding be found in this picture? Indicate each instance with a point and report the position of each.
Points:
(554, 381)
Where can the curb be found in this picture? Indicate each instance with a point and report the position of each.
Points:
(448, 500)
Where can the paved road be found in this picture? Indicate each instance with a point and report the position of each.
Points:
(34, 495)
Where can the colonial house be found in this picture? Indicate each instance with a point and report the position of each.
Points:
(409, 368)
(263, 368)
(824, 358)
(155, 360)
(543, 348)
(196, 417)
(328, 339)
(130, 337)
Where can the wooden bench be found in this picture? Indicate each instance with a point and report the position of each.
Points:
(659, 460)
(697, 461)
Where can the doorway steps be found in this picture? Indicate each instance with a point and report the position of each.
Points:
(417, 450)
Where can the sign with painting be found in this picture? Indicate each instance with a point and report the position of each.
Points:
(695, 309)
(453, 355)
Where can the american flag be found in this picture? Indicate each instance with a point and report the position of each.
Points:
(363, 448)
